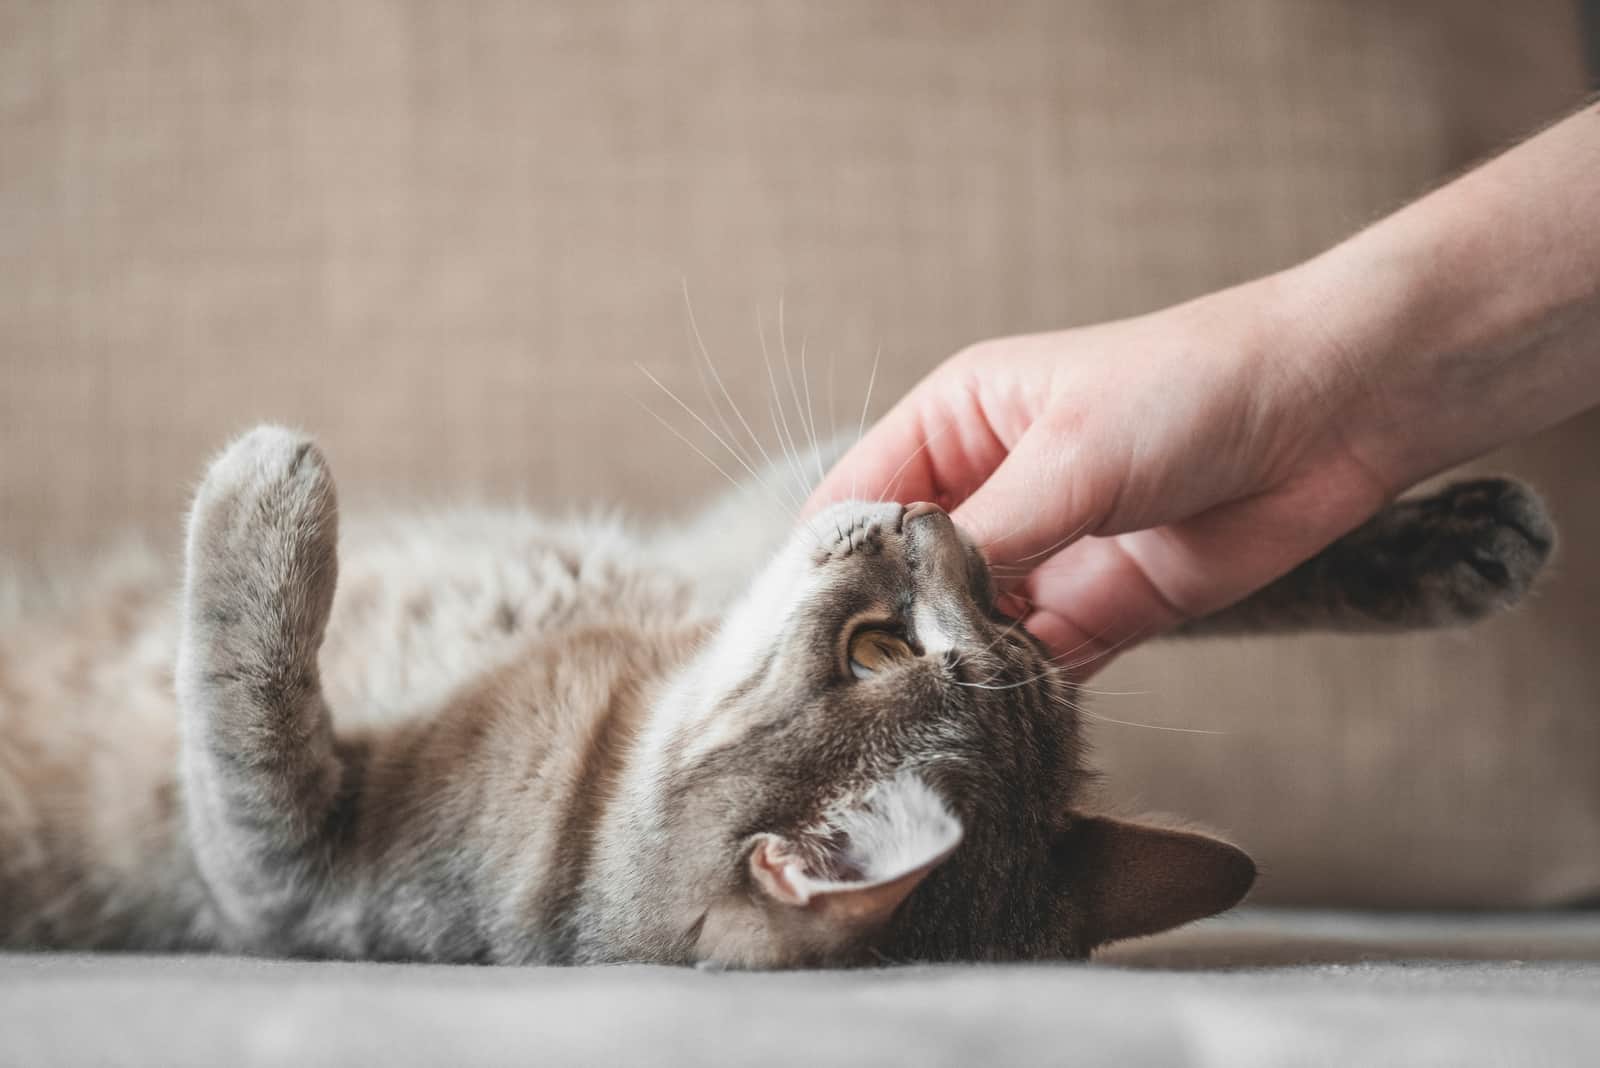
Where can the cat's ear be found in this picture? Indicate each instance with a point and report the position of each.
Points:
(1130, 879)
(857, 867)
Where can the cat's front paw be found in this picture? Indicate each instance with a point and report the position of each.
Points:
(260, 769)
(263, 530)
(1471, 549)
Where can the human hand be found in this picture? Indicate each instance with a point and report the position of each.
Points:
(1124, 477)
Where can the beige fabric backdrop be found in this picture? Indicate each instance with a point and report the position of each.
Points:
(440, 234)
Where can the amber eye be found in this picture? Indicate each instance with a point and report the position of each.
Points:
(875, 650)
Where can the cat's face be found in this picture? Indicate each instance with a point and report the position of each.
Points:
(885, 768)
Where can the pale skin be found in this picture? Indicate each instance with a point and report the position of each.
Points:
(1127, 476)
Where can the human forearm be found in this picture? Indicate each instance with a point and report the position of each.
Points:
(1467, 319)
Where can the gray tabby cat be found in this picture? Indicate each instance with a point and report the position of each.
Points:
(512, 741)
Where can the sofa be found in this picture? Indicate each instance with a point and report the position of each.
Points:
(445, 237)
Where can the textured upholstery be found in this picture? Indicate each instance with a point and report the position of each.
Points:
(440, 235)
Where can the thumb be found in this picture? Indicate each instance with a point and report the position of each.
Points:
(1040, 499)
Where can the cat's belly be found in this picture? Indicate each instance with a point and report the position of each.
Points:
(88, 760)
(427, 606)
(89, 718)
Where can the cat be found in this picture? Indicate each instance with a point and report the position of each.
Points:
(507, 740)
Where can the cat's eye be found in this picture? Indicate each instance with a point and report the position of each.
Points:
(872, 651)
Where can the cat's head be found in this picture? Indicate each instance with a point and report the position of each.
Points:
(884, 767)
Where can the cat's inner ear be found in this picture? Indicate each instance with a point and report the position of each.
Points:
(863, 860)
(1131, 879)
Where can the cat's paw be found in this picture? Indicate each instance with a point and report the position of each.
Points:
(263, 530)
(260, 769)
(1458, 555)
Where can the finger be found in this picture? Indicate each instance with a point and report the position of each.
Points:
(1075, 651)
(1093, 600)
(1118, 591)
(1222, 555)
(1043, 496)
(933, 446)
(866, 470)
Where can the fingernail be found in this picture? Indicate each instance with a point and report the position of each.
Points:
(1011, 606)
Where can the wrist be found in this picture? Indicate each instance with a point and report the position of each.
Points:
(1468, 319)
(1427, 355)
(1358, 353)
(1275, 340)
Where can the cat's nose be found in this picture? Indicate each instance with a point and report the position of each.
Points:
(928, 527)
(926, 521)
(942, 562)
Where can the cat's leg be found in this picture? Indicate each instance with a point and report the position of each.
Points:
(260, 770)
(1448, 558)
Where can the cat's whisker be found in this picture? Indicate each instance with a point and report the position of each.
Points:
(861, 427)
(788, 373)
(685, 439)
(772, 391)
(1102, 654)
(1092, 714)
(705, 385)
(1005, 633)
(1054, 662)
(1059, 543)
(833, 414)
(1018, 621)
(1083, 710)
(1047, 673)
(716, 375)
(816, 440)
(872, 378)
(734, 445)
(1025, 521)
(1090, 640)
(697, 418)
(780, 422)
(788, 450)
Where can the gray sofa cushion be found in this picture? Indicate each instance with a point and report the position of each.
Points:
(1383, 990)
